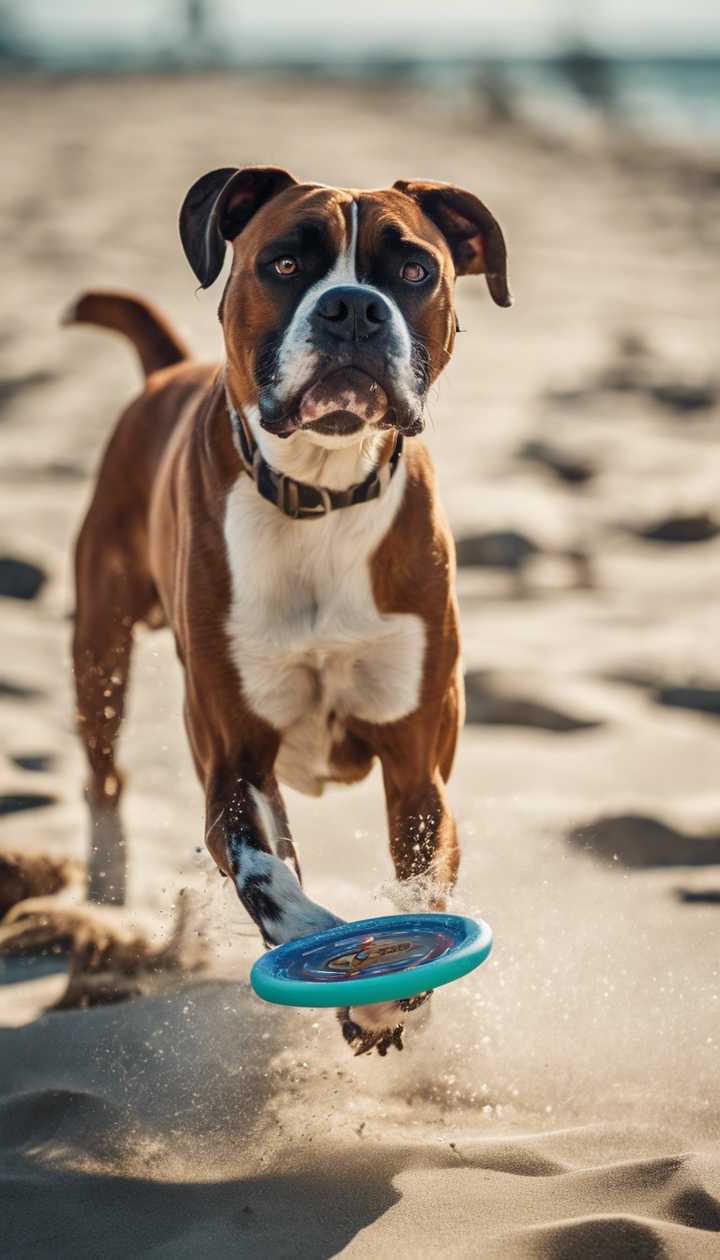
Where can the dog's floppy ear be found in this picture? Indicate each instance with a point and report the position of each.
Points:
(476, 242)
(218, 207)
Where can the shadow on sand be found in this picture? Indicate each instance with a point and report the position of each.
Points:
(87, 1215)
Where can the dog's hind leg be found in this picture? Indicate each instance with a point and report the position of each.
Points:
(113, 593)
(108, 960)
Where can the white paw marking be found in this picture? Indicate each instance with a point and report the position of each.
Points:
(297, 914)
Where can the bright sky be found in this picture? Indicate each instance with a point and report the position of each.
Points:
(511, 26)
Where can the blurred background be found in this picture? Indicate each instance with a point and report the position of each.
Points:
(575, 436)
(651, 63)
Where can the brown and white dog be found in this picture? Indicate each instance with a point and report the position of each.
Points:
(280, 514)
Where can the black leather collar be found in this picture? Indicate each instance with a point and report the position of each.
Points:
(297, 499)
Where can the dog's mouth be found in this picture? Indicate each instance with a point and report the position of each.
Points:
(340, 403)
(343, 403)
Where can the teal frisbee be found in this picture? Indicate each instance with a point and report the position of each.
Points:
(372, 960)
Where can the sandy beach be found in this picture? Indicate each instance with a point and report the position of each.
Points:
(563, 1102)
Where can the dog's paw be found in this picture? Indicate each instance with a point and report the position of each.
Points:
(362, 1040)
(378, 1027)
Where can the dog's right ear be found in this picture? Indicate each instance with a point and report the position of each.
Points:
(218, 207)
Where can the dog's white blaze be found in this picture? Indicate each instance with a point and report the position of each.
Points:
(299, 916)
(307, 640)
(298, 361)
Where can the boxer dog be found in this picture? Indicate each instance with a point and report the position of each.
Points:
(280, 514)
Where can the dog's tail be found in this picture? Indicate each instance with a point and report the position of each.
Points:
(157, 344)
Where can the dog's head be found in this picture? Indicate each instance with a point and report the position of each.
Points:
(338, 313)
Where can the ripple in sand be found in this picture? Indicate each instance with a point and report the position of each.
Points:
(515, 1158)
(603, 1238)
(695, 1207)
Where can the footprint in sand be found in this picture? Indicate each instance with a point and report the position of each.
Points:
(635, 840)
(496, 549)
(18, 802)
(13, 386)
(19, 579)
(634, 368)
(487, 707)
(509, 551)
(36, 763)
(17, 691)
(698, 697)
(693, 528)
(570, 470)
(685, 397)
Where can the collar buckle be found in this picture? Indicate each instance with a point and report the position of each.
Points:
(288, 496)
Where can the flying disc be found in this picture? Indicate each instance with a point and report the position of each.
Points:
(372, 960)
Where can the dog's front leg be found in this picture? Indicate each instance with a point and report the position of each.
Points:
(423, 836)
(248, 836)
(424, 849)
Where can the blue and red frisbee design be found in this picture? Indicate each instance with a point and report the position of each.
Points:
(372, 960)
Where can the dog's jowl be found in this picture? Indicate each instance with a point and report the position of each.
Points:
(279, 512)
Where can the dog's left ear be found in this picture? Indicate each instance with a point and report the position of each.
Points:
(218, 207)
(476, 241)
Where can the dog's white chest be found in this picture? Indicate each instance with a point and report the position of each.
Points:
(306, 637)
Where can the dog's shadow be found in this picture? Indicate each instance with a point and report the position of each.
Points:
(313, 1214)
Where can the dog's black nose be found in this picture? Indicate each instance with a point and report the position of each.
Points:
(351, 313)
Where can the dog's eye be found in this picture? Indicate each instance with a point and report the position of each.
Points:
(286, 265)
(414, 272)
